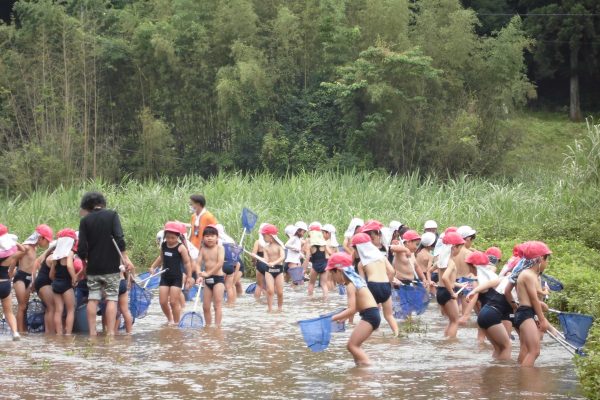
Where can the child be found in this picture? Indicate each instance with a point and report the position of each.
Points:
(318, 254)
(124, 300)
(10, 253)
(332, 246)
(535, 255)
(230, 267)
(445, 296)
(423, 257)
(411, 242)
(373, 229)
(378, 273)
(212, 254)
(359, 299)
(274, 256)
(494, 257)
(41, 237)
(293, 256)
(172, 254)
(42, 284)
(64, 279)
(201, 218)
(352, 230)
(260, 267)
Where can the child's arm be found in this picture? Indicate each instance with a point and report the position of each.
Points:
(391, 272)
(156, 263)
(530, 286)
(221, 257)
(197, 267)
(361, 270)
(52, 265)
(351, 310)
(185, 256)
(71, 269)
(400, 248)
(446, 280)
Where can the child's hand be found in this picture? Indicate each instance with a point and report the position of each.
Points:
(74, 282)
(199, 281)
(469, 297)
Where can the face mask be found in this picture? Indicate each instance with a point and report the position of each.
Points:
(191, 209)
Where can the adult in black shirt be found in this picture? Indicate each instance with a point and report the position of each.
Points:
(97, 229)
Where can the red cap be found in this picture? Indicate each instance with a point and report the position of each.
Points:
(410, 236)
(450, 229)
(78, 265)
(3, 230)
(371, 225)
(67, 233)
(517, 250)
(173, 227)
(339, 260)
(494, 251)
(182, 228)
(314, 228)
(360, 238)
(453, 238)
(477, 258)
(268, 229)
(535, 249)
(45, 231)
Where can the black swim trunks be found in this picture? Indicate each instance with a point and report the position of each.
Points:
(171, 280)
(488, 317)
(372, 316)
(5, 288)
(442, 295)
(213, 280)
(60, 286)
(24, 277)
(319, 266)
(435, 277)
(229, 268)
(275, 270)
(381, 291)
(522, 314)
(122, 286)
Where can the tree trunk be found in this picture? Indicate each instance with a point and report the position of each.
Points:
(575, 106)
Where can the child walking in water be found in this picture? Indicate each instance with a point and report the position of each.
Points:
(172, 255)
(64, 279)
(274, 256)
(11, 253)
(446, 297)
(359, 299)
(318, 253)
(212, 254)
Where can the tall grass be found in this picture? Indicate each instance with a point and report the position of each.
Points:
(495, 208)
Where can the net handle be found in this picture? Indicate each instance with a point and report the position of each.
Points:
(257, 257)
(197, 298)
(146, 280)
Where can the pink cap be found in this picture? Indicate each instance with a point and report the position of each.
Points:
(78, 265)
(67, 233)
(411, 235)
(339, 260)
(494, 251)
(45, 231)
(453, 238)
(173, 227)
(371, 225)
(517, 250)
(268, 229)
(535, 249)
(360, 238)
(3, 230)
(477, 258)
(314, 228)
(450, 229)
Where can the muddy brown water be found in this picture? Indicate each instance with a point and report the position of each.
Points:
(262, 356)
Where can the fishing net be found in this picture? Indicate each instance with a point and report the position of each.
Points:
(248, 219)
(575, 327)
(297, 275)
(316, 332)
(232, 252)
(35, 316)
(139, 300)
(554, 284)
(409, 299)
(251, 288)
(152, 283)
(191, 293)
(469, 282)
(342, 290)
(336, 326)
(191, 320)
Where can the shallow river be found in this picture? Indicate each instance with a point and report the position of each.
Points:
(256, 355)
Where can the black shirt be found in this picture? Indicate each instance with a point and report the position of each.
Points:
(96, 232)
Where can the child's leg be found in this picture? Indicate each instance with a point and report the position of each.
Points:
(388, 314)
(501, 341)
(467, 308)
(451, 311)
(217, 300)
(279, 289)
(311, 281)
(270, 290)
(206, 301)
(8, 313)
(58, 313)
(163, 299)
(360, 333)
(260, 283)
(529, 337)
(174, 301)
(182, 295)
(324, 282)
(230, 287)
(124, 308)
(68, 298)
(47, 297)
(22, 294)
(238, 281)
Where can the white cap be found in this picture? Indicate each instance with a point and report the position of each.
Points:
(431, 224)
(465, 231)
(427, 239)
(395, 225)
(328, 228)
(160, 236)
(301, 225)
(290, 230)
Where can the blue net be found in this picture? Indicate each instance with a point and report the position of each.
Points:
(336, 326)
(296, 275)
(251, 288)
(190, 295)
(4, 328)
(248, 219)
(35, 316)
(152, 283)
(554, 284)
(342, 290)
(409, 299)
(575, 327)
(191, 320)
(470, 284)
(232, 252)
(139, 300)
(316, 332)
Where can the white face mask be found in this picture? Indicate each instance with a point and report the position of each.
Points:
(191, 209)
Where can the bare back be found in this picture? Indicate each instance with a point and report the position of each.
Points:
(462, 268)
(377, 271)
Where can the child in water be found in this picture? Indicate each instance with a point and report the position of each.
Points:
(11, 253)
(274, 256)
(64, 279)
(359, 299)
(212, 254)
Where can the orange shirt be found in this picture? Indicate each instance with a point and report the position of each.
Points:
(196, 235)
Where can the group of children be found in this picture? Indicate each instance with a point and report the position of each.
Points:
(372, 261)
